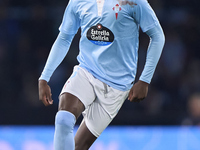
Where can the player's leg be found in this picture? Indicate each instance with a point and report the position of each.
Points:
(84, 138)
(70, 108)
(75, 96)
(96, 119)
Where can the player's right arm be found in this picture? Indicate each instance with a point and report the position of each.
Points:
(56, 56)
(68, 29)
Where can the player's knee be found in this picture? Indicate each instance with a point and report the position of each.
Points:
(65, 118)
(73, 109)
(71, 103)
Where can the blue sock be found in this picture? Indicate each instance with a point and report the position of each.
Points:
(64, 125)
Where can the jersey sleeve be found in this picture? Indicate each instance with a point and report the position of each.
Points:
(153, 53)
(71, 22)
(144, 15)
(57, 54)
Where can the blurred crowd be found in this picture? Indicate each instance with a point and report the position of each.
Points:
(28, 30)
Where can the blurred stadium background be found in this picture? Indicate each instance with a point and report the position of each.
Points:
(27, 32)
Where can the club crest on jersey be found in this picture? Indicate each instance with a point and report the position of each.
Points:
(100, 35)
(116, 9)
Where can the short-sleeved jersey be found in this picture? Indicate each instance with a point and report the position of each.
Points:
(109, 41)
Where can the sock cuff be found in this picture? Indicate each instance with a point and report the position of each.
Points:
(65, 118)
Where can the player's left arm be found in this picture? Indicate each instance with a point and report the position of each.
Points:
(157, 39)
(148, 21)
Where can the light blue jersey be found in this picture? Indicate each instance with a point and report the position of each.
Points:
(109, 43)
(110, 38)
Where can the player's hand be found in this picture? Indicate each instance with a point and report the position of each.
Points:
(45, 93)
(138, 92)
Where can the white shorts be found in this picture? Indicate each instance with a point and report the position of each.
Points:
(101, 101)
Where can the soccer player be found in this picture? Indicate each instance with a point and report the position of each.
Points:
(107, 66)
